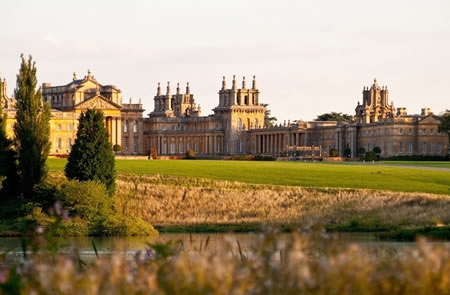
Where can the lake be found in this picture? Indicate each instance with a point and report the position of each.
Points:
(222, 244)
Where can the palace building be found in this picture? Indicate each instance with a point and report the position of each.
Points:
(236, 125)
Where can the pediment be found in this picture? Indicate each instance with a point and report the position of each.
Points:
(98, 102)
(431, 119)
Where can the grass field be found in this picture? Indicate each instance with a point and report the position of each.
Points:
(434, 164)
(292, 173)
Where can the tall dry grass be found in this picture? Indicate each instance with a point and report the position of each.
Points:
(163, 200)
(291, 267)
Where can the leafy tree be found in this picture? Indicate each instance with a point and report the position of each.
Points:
(444, 126)
(32, 128)
(361, 151)
(348, 152)
(92, 156)
(333, 153)
(377, 150)
(268, 120)
(333, 116)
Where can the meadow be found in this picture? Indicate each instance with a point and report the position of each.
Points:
(368, 176)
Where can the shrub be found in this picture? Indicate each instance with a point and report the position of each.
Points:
(370, 156)
(153, 154)
(120, 225)
(361, 151)
(348, 152)
(117, 148)
(334, 153)
(377, 150)
(88, 200)
(190, 155)
(264, 158)
(74, 226)
(243, 158)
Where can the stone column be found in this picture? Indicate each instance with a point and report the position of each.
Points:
(119, 131)
(113, 131)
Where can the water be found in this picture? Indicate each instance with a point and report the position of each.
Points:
(221, 244)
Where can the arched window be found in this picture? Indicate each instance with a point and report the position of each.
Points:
(135, 126)
(125, 126)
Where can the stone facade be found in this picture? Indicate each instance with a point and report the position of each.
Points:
(236, 126)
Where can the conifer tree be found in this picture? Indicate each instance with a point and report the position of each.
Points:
(92, 157)
(32, 128)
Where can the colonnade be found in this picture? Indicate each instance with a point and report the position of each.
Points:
(114, 127)
(179, 144)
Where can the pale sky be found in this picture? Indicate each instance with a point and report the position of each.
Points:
(309, 56)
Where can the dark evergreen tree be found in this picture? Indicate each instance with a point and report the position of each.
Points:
(8, 158)
(444, 126)
(92, 157)
(333, 116)
(268, 120)
(32, 128)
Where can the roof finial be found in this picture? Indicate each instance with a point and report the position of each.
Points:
(243, 82)
(188, 89)
(254, 82)
(74, 76)
(375, 80)
(224, 83)
(178, 88)
(89, 73)
(168, 88)
(158, 92)
(234, 81)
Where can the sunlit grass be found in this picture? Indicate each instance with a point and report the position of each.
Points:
(292, 174)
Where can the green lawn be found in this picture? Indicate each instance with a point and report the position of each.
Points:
(293, 173)
(435, 164)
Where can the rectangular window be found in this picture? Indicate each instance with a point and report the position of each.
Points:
(196, 148)
(125, 143)
(135, 145)
(239, 145)
(401, 147)
(59, 143)
(431, 148)
(58, 127)
(424, 148)
(217, 148)
(439, 148)
(410, 131)
(180, 148)
(410, 148)
(401, 131)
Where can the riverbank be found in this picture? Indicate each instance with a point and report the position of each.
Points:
(193, 205)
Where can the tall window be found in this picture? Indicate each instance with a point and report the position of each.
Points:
(172, 148)
(59, 143)
(135, 126)
(69, 143)
(135, 145)
(125, 126)
(180, 148)
(239, 124)
(410, 148)
(256, 123)
(424, 147)
(239, 145)
(439, 148)
(401, 147)
(125, 143)
(401, 131)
